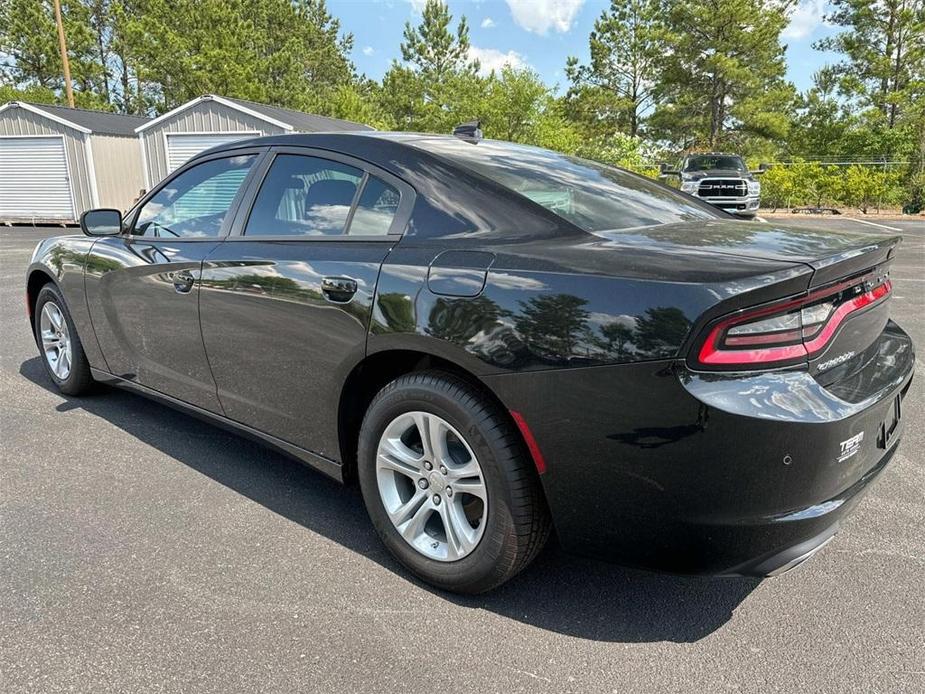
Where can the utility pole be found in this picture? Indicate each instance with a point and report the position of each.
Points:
(62, 44)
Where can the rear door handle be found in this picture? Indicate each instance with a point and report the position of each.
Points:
(340, 290)
(183, 281)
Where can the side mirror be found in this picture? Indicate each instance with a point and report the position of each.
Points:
(103, 222)
(762, 168)
(664, 171)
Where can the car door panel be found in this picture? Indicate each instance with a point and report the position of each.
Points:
(142, 286)
(149, 331)
(278, 346)
(286, 299)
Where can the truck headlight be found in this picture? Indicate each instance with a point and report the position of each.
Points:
(689, 187)
(754, 188)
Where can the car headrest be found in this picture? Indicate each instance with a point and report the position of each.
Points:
(330, 192)
(295, 183)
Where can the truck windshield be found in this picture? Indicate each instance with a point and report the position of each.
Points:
(591, 196)
(709, 162)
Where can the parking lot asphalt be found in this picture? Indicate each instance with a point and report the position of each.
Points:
(143, 550)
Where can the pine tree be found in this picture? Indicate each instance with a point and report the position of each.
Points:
(884, 43)
(620, 82)
(724, 71)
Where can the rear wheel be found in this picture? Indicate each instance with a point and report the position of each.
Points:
(59, 345)
(447, 484)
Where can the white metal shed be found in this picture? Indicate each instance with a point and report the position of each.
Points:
(57, 162)
(174, 137)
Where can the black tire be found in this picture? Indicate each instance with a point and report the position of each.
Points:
(78, 381)
(517, 524)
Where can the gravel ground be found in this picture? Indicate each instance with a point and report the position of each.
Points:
(143, 550)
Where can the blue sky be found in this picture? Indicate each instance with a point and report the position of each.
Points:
(540, 34)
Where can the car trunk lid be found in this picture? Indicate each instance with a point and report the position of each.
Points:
(831, 254)
(846, 268)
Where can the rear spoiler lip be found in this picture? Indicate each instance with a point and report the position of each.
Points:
(852, 261)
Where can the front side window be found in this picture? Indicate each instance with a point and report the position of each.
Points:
(310, 196)
(592, 196)
(195, 203)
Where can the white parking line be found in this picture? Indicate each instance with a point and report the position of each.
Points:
(761, 219)
(873, 224)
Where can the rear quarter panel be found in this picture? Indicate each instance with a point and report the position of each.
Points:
(556, 304)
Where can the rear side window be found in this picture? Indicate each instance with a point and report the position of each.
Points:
(376, 209)
(593, 196)
(195, 203)
(310, 196)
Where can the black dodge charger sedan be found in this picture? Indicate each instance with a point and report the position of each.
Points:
(498, 342)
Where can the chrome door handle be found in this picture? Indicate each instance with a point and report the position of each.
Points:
(183, 281)
(340, 290)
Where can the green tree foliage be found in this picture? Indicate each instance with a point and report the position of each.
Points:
(437, 85)
(778, 187)
(627, 47)
(140, 56)
(29, 39)
(432, 49)
(884, 45)
(289, 53)
(822, 119)
(724, 75)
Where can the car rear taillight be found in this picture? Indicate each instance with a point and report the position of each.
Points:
(789, 332)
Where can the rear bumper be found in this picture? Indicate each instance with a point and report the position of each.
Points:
(654, 465)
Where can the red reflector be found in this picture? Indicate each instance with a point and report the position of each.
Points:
(532, 445)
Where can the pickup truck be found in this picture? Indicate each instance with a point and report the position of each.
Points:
(720, 179)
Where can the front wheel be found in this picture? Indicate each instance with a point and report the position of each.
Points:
(61, 351)
(448, 485)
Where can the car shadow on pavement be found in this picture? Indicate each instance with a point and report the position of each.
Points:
(559, 592)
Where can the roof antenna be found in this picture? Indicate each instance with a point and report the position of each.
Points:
(469, 132)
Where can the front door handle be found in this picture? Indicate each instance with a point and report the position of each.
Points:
(183, 281)
(340, 290)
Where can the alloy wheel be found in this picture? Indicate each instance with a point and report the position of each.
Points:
(431, 486)
(56, 340)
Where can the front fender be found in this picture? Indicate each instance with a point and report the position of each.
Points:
(63, 260)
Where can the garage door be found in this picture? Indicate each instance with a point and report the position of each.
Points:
(183, 147)
(33, 179)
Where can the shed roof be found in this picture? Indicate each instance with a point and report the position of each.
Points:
(286, 118)
(82, 119)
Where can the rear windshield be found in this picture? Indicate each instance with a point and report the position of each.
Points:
(708, 162)
(592, 196)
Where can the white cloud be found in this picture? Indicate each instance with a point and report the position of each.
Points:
(493, 59)
(417, 5)
(539, 16)
(805, 18)
(368, 50)
(488, 23)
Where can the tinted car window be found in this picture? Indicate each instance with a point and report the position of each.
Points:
(194, 204)
(592, 196)
(304, 196)
(376, 209)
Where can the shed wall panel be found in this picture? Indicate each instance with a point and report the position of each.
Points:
(119, 175)
(20, 122)
(202, 117)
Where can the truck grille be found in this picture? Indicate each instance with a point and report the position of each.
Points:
(723, 188)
